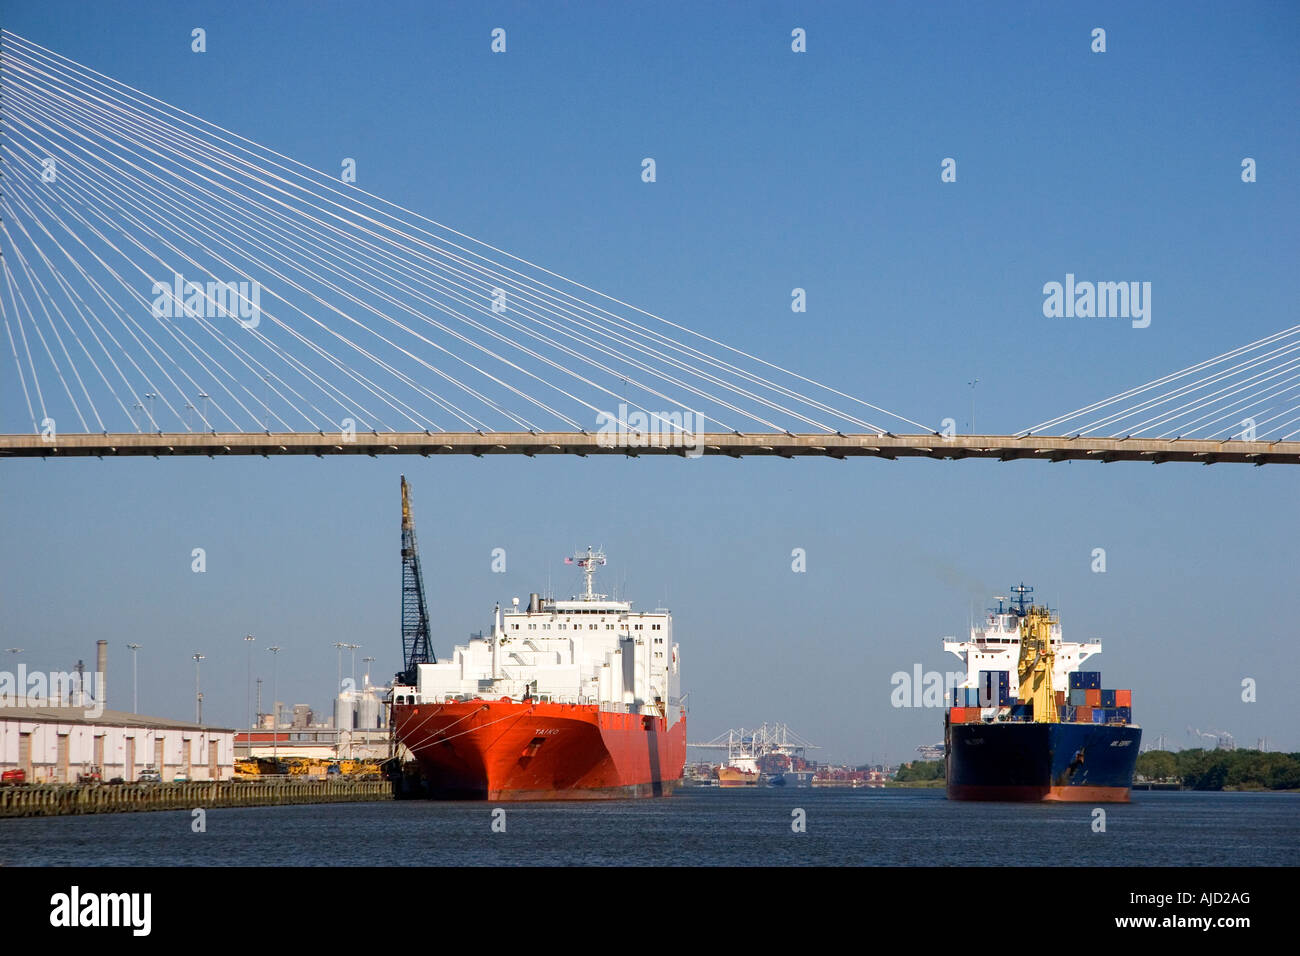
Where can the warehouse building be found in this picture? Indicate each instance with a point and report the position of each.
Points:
(57, 744)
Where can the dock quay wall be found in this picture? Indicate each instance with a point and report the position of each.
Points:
(61, 800)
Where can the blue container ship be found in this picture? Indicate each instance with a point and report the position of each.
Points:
(1027, 724)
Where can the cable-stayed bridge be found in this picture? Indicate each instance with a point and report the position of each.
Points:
(173, 288)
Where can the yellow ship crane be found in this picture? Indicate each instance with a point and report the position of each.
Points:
(1036, 660)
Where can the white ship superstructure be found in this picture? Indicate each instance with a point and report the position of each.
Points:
(994, 645)
(586, 650)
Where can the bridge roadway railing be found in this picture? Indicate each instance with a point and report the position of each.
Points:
(736, 445)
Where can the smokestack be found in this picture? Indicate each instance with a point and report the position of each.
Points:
(101, 672)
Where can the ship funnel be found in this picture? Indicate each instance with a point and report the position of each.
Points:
(534, 603)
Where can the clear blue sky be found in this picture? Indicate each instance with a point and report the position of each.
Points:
(775, 170)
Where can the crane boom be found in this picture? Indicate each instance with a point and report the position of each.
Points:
(1037, 657)
(416, 644)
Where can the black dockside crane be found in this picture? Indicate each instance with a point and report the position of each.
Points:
(416, 645)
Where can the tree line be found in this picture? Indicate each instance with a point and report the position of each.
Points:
(1193, 769)
(1222, 769)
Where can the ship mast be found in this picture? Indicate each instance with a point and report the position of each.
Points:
(416, 647)
(588, 561)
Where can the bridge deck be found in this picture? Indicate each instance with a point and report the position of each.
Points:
(1003, 447)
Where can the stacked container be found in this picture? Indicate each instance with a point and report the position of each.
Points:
(995, 688)
(966, 697)
(1087, 702)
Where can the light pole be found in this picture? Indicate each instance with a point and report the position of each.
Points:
(353, 648)
(367, 661)
(16, 651)
(248, 691)
(972, 404)
(135, 680)
(275, 708)
(198, 696)
(338, 688)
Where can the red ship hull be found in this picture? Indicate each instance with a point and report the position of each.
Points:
(512, 750)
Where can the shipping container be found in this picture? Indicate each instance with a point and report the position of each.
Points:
(1125, 714)
(1078, 697)
(1099, 716)
(1094, 696)
(1123, 698)
(1088, 680)
(1108, 698)
(1083, 714)
(994, 688)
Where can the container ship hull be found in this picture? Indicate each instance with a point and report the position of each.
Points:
(520, 750)
(1052, 762)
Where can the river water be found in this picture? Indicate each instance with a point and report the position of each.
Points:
(697, 826)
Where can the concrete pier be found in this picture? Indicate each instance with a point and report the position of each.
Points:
(58, 800)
